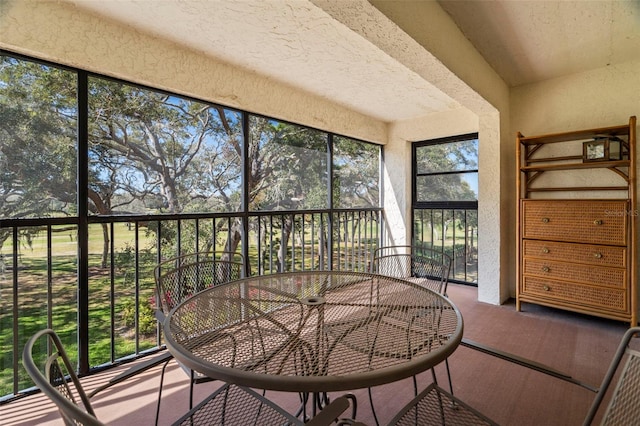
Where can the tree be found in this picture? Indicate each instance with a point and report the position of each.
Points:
(299, 175)
(446, 157)
(356, 174)
(38, 119)
(152, 152)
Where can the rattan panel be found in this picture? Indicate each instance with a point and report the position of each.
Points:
(587, 221)
(579, 253)
(589, 296)
(597, 275)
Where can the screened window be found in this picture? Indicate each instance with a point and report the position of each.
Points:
(445, 201)
(288, 166)
(38, 156)
(356, 171)
(447, 171)
(150, 152)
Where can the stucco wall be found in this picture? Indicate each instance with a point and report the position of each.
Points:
(598, 98)
(445, 57)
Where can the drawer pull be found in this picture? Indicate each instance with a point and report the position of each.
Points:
(597, 222)
(545, 220)
(597, 255)
(545, 269)
(545, 250)
(546, 288)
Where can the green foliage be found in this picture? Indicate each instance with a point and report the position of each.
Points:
(459, 156)
(125, 256)
(146, 319)
(37, 140)
(356, 174)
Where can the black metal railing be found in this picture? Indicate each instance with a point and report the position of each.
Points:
(42, 262)
(454, 232)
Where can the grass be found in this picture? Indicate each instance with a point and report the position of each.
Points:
(40, 298)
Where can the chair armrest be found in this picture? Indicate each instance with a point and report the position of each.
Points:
(160, 316)
(533, 365)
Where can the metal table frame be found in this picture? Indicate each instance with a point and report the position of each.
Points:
(313, 331)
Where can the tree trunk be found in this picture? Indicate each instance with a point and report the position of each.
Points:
(235, 236)
(105, 245)
(287, 226)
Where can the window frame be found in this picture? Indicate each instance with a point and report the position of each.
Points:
(415, 204)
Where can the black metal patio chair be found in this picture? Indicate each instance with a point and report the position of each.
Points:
(421, 265)
(176, 279)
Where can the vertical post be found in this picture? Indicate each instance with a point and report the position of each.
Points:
(520, 187)
(330, 201)
(16, 310)
(83, 222)
(633, 221)
(246, 170)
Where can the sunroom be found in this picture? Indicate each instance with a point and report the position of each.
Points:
(287, 131)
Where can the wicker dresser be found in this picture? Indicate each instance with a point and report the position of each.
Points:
(577, 253)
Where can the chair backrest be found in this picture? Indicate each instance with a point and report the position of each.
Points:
(425, 266)
(47, 363)
(186, 275)
(624, 405)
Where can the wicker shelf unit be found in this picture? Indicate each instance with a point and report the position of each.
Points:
(576, 237)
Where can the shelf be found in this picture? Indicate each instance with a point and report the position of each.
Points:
(577, 166)
(575, 136)
(579, 188)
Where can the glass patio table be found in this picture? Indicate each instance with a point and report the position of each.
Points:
(313, 331)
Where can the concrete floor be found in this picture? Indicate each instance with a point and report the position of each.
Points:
(581, 345)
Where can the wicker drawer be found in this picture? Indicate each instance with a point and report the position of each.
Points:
(595, 275)
(576, 295)
(586, 221)
(580, 253)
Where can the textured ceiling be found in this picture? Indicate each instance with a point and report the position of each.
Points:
(292, 41)
(530, 41)
(296, 42)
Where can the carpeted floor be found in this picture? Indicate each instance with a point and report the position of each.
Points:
(579, 345)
